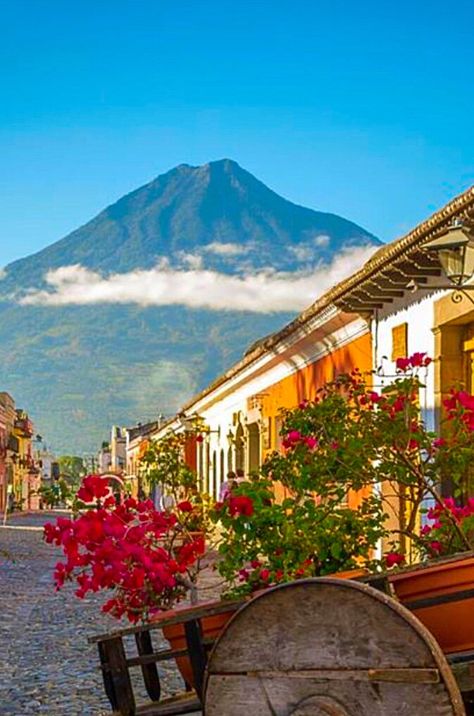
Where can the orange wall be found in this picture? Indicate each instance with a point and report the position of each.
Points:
(290, 391)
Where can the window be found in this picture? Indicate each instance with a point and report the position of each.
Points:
(400, 341)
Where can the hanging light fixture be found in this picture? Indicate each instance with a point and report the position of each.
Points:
(455, 251)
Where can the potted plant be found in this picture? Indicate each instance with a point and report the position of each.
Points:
(146, 558)
(163, 466)
(380, 438)
(439, 530)
(331, 518)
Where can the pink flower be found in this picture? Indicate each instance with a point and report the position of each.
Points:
(311, 443)
(439, 442)
(292, 438)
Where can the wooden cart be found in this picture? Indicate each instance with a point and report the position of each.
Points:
(322, 647)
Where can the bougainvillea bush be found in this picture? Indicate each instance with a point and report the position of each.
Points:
(145, 558)
(360, 439)
(164, 464)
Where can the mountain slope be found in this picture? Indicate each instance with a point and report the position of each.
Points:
(80, 368)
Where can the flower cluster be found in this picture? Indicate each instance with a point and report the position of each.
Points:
(259, 575)
(460, 405)
(394, 559)
(94, 487)
(294, 438)
(416, 360)
(131, 548)
(241, 505)
(447, 523)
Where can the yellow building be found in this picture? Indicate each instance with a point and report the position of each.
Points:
(26, 477)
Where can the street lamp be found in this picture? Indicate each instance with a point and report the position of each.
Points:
(455, 250)
(195, 423)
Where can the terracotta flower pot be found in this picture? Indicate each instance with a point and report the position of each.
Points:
(175, 635)
(349, 574)
(442, 597)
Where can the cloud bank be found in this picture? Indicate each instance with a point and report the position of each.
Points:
(264, 292)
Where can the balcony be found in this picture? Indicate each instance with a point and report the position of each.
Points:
(24, 426)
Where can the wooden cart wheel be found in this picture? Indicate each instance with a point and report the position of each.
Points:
(328, 647)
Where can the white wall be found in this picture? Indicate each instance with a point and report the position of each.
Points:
(420, 319)
(219, 408)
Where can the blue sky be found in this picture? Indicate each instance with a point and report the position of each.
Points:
(360, 108)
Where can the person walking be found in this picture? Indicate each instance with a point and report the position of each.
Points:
(226, 487)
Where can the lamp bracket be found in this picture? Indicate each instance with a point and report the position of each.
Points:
(457, 291)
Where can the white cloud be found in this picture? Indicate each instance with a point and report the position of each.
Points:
(321, 240)
(303, 252)
(223, 249)
(264, 292)
(193, 261)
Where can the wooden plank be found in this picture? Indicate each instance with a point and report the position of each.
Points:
(149, 670)
(107, 679)
(174, 706)
(162, 655)
(284, 696)
(180, 618)
(115, 664)
(328, 646)
(197, 653)
(394, 676)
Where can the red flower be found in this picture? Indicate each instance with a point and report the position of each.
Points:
(125, 548)
(265, 575)
(185, 506)
(419, 360)
(93, 488)
(241, 505)
(199, 439)
(436, 547)
(393, 559)
(403, 364)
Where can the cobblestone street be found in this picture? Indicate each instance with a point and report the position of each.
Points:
(46, 665)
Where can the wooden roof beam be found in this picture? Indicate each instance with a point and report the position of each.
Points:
(369, 297)
(396, 277)
(413, 269)
(382, 290)
(354, 306)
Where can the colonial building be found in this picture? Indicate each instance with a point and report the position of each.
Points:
(26, 475)
(137, 439)
(397, 304)
(9, 449)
